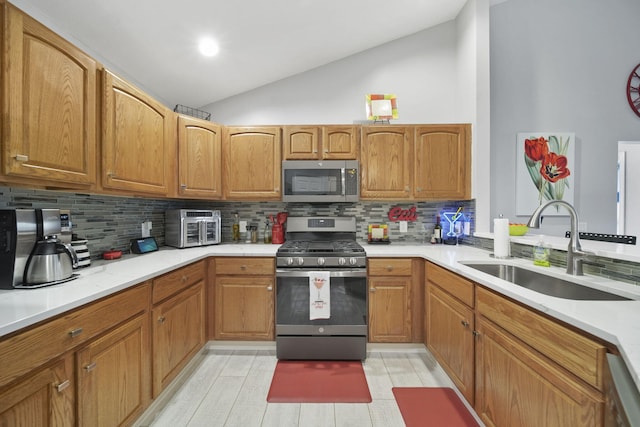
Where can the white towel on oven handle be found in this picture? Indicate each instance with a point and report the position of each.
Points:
(319, 295)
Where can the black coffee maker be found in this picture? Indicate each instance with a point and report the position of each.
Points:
(20, 230)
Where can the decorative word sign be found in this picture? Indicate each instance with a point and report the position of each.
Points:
(396, 214)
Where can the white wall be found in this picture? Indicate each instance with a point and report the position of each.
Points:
(562, 65)
(419, 69)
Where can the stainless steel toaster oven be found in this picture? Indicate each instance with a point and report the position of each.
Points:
(186, 228)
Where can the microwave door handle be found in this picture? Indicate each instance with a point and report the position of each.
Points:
(343, 177)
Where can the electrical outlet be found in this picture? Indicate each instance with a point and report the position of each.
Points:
(243, 226)
(403, 226)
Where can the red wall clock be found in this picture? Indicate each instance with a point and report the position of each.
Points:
(633, 90)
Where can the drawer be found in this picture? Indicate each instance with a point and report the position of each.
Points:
(570, 349)
(29, 349)
(172, 283)
(245, 266)
(390, 266)
(450, 282)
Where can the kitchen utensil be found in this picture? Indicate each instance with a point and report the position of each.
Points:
(282, 217)
(50, 261)
(277, 233)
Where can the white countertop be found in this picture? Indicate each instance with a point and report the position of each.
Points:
(617, 322)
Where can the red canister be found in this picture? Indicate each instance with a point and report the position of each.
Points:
(277, 233)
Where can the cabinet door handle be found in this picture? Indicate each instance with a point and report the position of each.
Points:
(464, 323)
(418, 188)
(183, 186)
(75, 332)
(269, 288)
(372, 290)
(90, 367)
(64, 384)
(111, 175)
(407, 188)
(21, 158)
(476, 333)
(161, 319)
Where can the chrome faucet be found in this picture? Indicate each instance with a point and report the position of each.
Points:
(575, 255)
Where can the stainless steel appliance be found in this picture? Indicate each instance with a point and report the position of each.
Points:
(20, 232)
(186, 228)
(322, 181)
(323, 246)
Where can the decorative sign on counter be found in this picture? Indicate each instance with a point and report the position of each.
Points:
(396, 214)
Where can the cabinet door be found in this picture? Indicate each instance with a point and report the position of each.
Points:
(244, 307)
(390, 309)
(199, 158)
(114, 375)
(44, 398)
(301, 143)
(442, 168)
(49, 108)
(519, 387)
(252, 163)
(449, 337)
(138, 140)
(386, 162)
(178, 334)
(340, 142)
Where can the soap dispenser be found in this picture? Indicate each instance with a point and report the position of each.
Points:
(541, 253)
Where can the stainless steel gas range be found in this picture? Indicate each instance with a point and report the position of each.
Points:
(321, 292)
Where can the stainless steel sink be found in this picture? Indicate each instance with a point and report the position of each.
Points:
(543, 283)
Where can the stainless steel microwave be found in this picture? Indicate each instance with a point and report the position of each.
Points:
(320, 181)
(186, 228)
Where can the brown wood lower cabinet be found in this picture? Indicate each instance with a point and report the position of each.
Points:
(178, 322)
(244, 299)
(114, 375)
(514, 365)
(395, 300)
(44, 398)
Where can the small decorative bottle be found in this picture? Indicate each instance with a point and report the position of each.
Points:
(267, 232)
(236, 228)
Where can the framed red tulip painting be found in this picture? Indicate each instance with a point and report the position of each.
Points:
(545, 170)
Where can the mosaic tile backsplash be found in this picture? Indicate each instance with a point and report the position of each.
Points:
(109, 222)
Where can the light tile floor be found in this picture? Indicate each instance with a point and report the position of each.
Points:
(229, 388)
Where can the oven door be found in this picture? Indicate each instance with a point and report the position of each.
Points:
(348, 311)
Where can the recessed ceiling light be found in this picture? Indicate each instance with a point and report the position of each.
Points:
(208, 47)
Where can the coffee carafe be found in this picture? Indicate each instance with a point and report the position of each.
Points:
(51, 261)
(20, 230)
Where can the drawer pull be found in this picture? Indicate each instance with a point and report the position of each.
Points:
(184, 279)
(269, 288)
(464, 323)
(75, 332)
(161, 319)
(64, 384)
(22, 158)
(389, 268)
(243, 267)
(90, 367)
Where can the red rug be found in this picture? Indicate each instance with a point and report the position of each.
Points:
(305, 381)
(432, 407)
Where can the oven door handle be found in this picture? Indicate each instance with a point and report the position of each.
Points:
(332, 273)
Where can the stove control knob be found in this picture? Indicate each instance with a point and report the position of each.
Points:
(289, 261)
(342, 261)
(320, 261)
(353, 261)
(300, 260)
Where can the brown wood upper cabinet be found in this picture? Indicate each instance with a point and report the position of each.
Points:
(138, 140)
(442, 165)
(49, 107)
(199, 158)
(332, 142)
(421, 162)
(252, 159)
